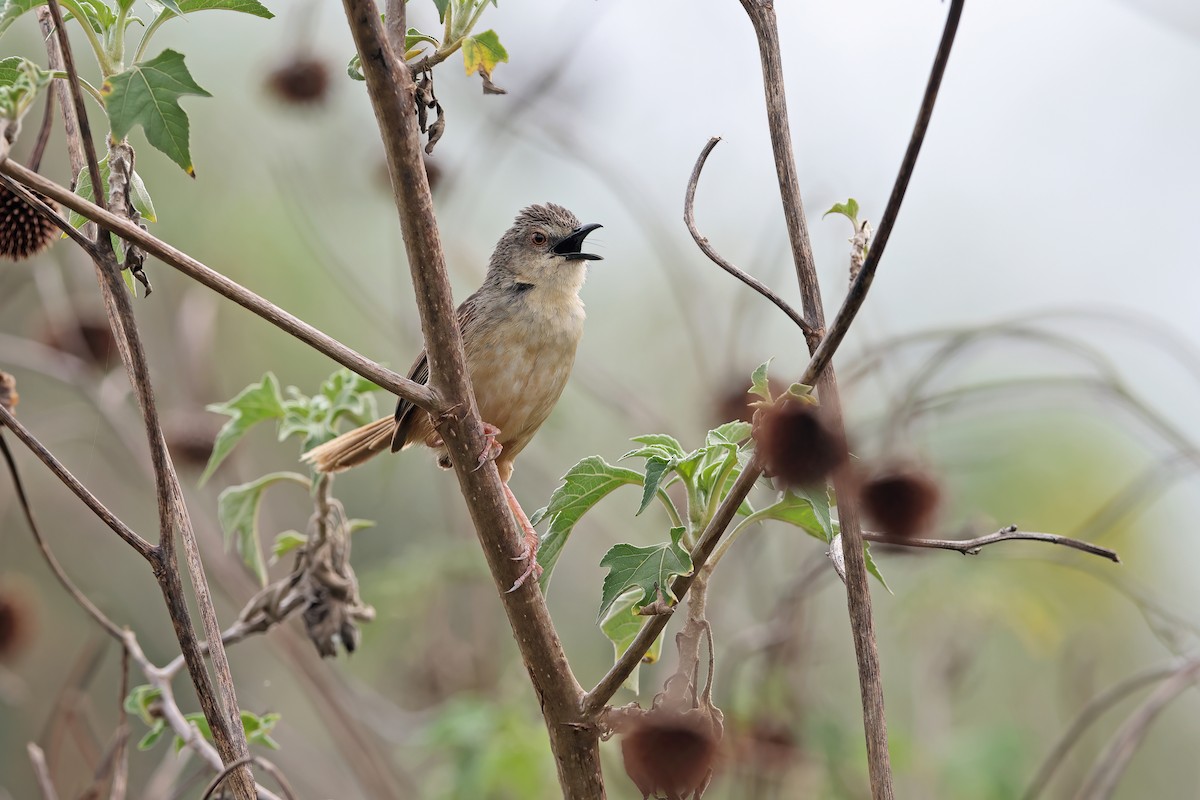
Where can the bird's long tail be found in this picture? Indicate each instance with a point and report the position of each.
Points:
(353, 447)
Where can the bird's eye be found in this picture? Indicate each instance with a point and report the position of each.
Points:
(538, 237)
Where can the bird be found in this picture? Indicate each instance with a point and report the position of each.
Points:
(520, 331)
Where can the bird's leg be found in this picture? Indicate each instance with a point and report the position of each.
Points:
(530, 540)
(491, 448)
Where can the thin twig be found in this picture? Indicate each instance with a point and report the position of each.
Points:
(1087, 715)
(45, 784)
(81, 117)
(419, 394)
(858, 289)
(689, 219)
(144, 548)
(241, 762)
(1111, 763)
(219, 703)
(87, 605)
(971, 547)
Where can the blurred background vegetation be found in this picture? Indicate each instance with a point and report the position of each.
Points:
(1046, 233)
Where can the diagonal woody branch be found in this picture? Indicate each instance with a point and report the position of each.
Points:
(575, 745)
(420, 395)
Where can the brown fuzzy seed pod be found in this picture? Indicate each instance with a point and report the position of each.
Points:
(301, 80)
(17, 622)
(8, 392)
(900, 500)
(796, 446)
(669, 754)
(23, 231)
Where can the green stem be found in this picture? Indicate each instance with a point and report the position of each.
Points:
(87, 87)
(672, 511)
(117, 34)
(106, 65)
(150, 31)
(732, 536)
(718, 487)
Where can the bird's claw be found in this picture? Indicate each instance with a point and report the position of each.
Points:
(491, 448)
(528, 553)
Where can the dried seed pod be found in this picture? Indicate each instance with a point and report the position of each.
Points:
(23, 231)
(301, 80)
(669, 754)
(18, 620)
(795, 444)
(900, 500)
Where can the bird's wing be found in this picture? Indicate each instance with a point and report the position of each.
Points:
(406, 412)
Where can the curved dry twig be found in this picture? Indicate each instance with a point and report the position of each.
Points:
(271, 769)
(971, 547)
(689, 219)
(143, 547)
(1089, 714)
(1111, 763)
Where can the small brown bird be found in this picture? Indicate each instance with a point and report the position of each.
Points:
(519, 330)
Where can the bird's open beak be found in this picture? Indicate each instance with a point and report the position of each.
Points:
(571, 246)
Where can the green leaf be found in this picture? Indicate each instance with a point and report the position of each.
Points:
(807, 510)
(258, 729)
(354, 68)
(140, 700)
(13, 9)
(668, 444)
(20, 82)
(153, 735)
(871, 568)
(656, 468)
(147, 94)
(759, 381)
(482, 52)
(731, 433)
(256, 403)
(649, 569)
(137, 193)
(237, 510)
(848, 209)
(285, 543)
(343, 394)
(442, 5)
(252, 7)
(413, 37)
(584, 485)
(622, 626)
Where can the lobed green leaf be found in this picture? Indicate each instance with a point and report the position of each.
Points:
(648, 569)
(759, 384)
(147, 94)
(256, 403)
(482, 52)
(584, 485)
(237, 511)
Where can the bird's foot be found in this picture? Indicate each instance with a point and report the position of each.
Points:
(529, 550)
(491, 448)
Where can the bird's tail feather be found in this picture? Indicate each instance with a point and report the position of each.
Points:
(353, 447)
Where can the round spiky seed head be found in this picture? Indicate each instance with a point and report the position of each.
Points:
(23, 231)
(669, 754)
(300, 80)
(900, 500)
(796, 445)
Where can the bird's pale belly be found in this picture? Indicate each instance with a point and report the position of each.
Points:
(517, 385)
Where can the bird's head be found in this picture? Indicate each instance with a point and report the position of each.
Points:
(544, 247)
